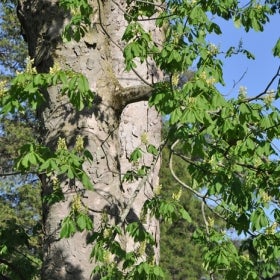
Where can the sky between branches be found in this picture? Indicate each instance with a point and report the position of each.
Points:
(259, 71)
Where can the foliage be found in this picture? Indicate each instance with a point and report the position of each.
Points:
(20, 204)
(20, 229)
(12, 48)
(14, 133)
(227, 145)
(27, 87)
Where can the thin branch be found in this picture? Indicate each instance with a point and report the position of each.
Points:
(133, 197)
(17, 173)
(155, 18)
(212, 277)
(266, 89)
(139, 19)
(236, 83)
(175, 176)
(162, 6)
(204, 216)
(203, 197)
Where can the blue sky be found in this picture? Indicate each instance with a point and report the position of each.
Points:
(259, 71)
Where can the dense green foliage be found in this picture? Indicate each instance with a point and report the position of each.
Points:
(20, 229)
(226, 145)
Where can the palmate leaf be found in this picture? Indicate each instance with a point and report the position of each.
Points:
(136, 155)
(144, 270)
(31, 155)
(259, 220)
(138, 232)
(68, 227)
(57, 195)
(152, 150)
(83, 222)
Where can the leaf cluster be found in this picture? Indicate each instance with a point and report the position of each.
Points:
(40, 159)
(28, 87)
(81, 12)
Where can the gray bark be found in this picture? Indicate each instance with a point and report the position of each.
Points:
(112, 127)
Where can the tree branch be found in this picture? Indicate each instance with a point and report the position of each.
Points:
(133, 94)
(175, 176)
(266, 89)
(16, 173)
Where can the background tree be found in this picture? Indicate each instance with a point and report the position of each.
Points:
(13, 49)
(180, 257)
(20, 206)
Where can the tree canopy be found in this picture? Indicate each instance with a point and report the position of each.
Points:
(227, 145)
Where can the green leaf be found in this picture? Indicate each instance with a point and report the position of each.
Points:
(185, 215)
(88, 155)
(130, 176)
(143, 170)
(137, 231)
(152, 150)
(70, 172)
(56, 196)
(136, 155)
(276, 49)
(86, 181)
(32, 158)
(83, 222)
(68, 228)
(157, 270)
(83, 85)
(259, 219)
(176, 116)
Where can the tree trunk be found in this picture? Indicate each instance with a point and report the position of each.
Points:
(112, 127)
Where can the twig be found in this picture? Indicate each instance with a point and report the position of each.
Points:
(139, 19)
(151, 3)
(17, 173)
(236, 83)
(204, 216)
(133, 197)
